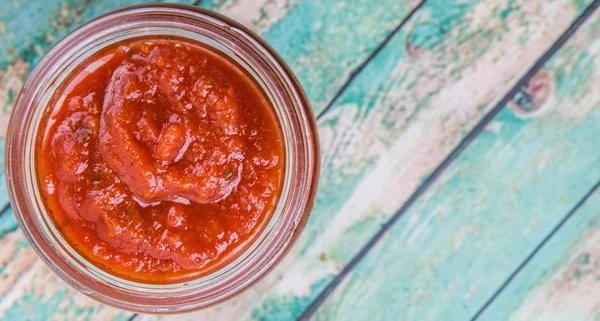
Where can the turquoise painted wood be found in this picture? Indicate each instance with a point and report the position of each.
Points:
(561, 282)
(391, 127)
(314, 32)
(28, 289)
(322, 41)
(323, 67)
(29, 28)
(506, 192)
(394, 123)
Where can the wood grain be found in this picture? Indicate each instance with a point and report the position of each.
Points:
(29, 290)
(393, 125)
(324, 42)
(280, 25)
(299, 31)
(29, 28)
(450, 252)
(561, 282)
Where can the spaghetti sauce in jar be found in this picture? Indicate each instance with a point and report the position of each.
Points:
(160, 159)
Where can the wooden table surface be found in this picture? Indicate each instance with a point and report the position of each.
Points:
(460, 161)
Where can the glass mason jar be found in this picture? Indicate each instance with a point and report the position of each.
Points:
(271, 73)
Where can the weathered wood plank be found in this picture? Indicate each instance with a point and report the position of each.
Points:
(449, 253)
(31, 291)
(354, 47)
(372, 90)
(561, 282)
(322, 41)
(29, 28)
(284, 25)
(28, 289)
(394, 124)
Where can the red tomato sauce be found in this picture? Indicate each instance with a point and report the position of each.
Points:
(159, 159)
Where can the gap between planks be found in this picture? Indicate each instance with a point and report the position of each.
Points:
(570, 31)
(7, 206)
(310, 310)
(445, 163)
(536, 250)
(353, 74)
(358, 70)
(347, 83)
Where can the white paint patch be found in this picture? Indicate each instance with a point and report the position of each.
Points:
(259, 15)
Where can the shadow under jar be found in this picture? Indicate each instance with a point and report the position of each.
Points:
(162, 158)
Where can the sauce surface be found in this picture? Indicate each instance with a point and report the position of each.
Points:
(159, 159)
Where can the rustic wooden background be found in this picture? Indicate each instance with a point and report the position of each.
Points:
(460, 161)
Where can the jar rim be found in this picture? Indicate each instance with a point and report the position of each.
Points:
(295, 117)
